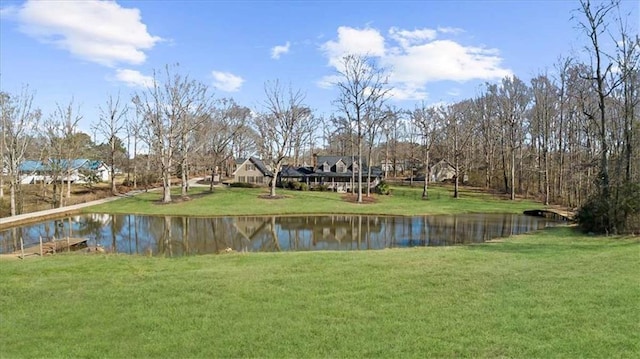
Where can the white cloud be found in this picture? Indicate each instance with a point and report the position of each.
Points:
(9, 11)
(328, 81)
(419, 59)
(226, 81)
(443, 60)
(97, 31)
(408, 93)
(454, 92)
(133, 78)
(450, 30)
(407, 38)
(279, 50)
(354, 41)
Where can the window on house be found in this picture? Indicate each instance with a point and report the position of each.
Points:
(242, 179)
(250, 167)
(260, 180)
(251, 179)
(340, 168)
(325, 167)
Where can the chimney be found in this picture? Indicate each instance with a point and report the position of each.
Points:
(315, 160)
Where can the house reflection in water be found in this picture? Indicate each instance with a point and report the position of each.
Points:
(176, 236)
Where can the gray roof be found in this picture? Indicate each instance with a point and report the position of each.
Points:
(49, 165)
(332, 160)
(261, 166)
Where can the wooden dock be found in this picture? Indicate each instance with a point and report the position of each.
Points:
(52, 247)
(557, 214)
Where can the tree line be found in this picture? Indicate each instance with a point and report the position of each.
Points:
(569, 136)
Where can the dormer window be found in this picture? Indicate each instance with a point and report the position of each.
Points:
(326, 167)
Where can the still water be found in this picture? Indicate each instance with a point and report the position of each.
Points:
(176, 236)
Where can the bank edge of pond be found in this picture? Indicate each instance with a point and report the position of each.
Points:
(86, 208)
(246, 202)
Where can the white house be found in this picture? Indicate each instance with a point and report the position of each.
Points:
(37, 171)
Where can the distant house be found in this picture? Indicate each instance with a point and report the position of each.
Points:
(393, 166)
(335, 172)
(444, 171)
(252, 170)
(39, 171)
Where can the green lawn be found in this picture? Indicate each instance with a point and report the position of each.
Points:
(553, 293)
(243, 201)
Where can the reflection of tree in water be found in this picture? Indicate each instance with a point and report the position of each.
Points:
(175, 236)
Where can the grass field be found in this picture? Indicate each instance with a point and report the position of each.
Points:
(553, 293)
(243, 201)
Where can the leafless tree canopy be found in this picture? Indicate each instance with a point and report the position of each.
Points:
(285, 116)
(362, 92)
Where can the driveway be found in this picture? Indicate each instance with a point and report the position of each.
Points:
(6, 222)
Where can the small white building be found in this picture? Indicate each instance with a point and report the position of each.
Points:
(38, 171)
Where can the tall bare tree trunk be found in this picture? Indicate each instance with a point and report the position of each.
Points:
(427, 176)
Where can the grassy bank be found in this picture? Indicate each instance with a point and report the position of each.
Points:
(243, 201)
(548, 294)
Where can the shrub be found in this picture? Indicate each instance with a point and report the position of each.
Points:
(602, 216)
(383, 188)
(303, 186)
(321, 188)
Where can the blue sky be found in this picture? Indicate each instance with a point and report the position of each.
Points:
(437, 51)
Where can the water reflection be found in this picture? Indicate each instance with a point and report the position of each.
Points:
(176, 236)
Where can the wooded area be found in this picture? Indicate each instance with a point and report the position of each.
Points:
(569, 136)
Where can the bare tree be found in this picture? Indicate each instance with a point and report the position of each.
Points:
(513, 100)
(594, 25)
(19, 121)
(362, 92)
(198, 110)
(375, 121)
(428, 120)
(304, 133)
(111, 122)
(545, 95)
(64, 145)
(459, 130)
(627, 59)
(224, 127)
(285, 113)
(53, 155)
(169, 111)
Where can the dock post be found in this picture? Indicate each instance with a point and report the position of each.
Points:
(40, 246)
(21, 248)
(68, 245)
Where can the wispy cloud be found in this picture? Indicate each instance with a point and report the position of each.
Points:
(407, 38)
(280, 50)
(226, 81)
(133, 78)
(450, 30)
(417, 57)
(98, 31)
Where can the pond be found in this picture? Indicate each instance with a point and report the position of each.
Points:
(176, 236)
